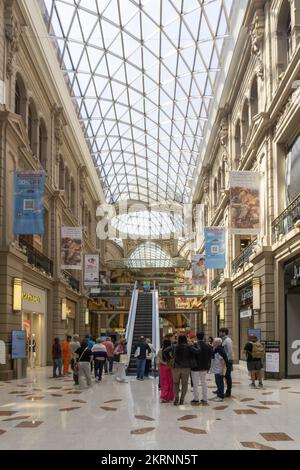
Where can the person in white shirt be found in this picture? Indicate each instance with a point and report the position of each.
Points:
(149, 357)
(227, 345)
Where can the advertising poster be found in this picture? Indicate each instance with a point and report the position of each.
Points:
(214, 247)
(18, 348)
(29, 202)
(245, 202)
(199, 273)
(71, 247)
(91, 270)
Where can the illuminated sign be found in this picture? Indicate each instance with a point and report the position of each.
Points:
(31, 298)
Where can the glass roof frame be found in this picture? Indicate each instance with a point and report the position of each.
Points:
(141, 75)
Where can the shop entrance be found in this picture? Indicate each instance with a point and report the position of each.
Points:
(32, 322)
(246, 319)
(292, 311)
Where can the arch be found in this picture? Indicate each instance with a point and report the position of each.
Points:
(254, 98)
(61, 173)
(20, 97)
(245, 122)
(237, 144)
(43, 140)
(32, 126)
(149, 254)
(284, 36)
(73, 195)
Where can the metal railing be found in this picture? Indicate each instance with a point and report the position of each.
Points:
(36, 258)
(181, 290)
(113, 290)
(215, 282)
(243, 257)
(131, 320)
(74, 283)
(286, 220)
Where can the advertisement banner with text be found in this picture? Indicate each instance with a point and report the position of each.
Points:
(71, 247)
(214, 247)
(245, 202)
(199, 273)
(91, 270)
(29, 202)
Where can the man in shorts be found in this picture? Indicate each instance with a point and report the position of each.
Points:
(255, 353)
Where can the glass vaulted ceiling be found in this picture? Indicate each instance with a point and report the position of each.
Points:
(142, 75)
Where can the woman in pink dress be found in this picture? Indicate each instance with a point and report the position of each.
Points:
(165, 375)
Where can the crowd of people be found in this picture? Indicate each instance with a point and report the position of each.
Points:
(180, 358)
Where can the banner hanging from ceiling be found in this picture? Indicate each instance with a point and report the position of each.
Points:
(245, 202)
(199, 273)
(214, 247)
(71, 247)
(29, 187)
(91, 270)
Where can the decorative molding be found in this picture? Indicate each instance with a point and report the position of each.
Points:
(257, 30)
(13, 31)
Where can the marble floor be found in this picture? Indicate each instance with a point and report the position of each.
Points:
(43, 413)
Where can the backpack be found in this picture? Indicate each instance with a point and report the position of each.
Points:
(258, 351)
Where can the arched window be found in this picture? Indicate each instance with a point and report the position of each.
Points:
(42, 143)
(32, 127)
(67, 186)
(254, 98)
(237, 146)
(245, 122)
(61, 174)
(73, 195)
(20, 98)
(284, 36)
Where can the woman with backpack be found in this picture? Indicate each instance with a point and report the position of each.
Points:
(255, 355)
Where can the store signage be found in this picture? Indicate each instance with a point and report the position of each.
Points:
(246, 295)
(246, 313)
(18, 348)
(272, 350)
(31, 298)
(293, 334)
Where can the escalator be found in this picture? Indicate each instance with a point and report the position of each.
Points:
(142, 325)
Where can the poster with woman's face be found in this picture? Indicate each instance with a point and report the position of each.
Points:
(245, 202)
(199, 272)
(71, 247)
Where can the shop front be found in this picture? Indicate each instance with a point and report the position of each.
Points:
(34, 306)
(246, 318)
(70, 317)
(292, 317)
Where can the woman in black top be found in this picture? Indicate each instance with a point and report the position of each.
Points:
(84, 357)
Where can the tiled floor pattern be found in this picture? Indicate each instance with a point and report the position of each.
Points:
(43, 413)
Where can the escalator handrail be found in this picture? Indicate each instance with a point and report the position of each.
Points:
(131, 319)
(155, 321)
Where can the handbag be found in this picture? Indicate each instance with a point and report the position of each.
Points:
(76, 368)
(137, 352)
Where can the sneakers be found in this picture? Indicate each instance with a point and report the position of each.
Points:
(252, 385)
(218, 399)
(175, 403)
(215, 392)
(195, 402)
(227, 394)
(260, 385)
(204, 402)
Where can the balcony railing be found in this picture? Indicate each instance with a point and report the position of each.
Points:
(286, 221)
(74, 283)
(36, 258)
(243, 258)
(215, 282)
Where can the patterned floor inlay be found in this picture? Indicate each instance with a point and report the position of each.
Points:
(284, 388)
(54, 388)
(193, 430)
(70, 408)
(267, 393)
(144, 417)
(141, 430)
(236, 383)
(245, 412)
(108, 408)
(8, 413)
(220, 408)
(270, 402)
(259, 407)
(79, 401)
(2, 431)
(298, 393)
(246, 399)
(256, 445)
(35, 398)
(186, 417)
(76, 392)
(56, 395)
(29, 424)
(114, 400)
(16, 418)
(276, 436)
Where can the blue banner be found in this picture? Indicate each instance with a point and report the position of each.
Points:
(214, 247)
(29, 202)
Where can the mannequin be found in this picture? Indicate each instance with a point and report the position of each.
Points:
(32, 350)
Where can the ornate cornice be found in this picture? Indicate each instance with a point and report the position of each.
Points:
(12, 34)
(257, 30)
